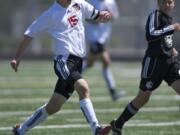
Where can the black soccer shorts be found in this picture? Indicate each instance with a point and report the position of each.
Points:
(157, 69)
(97, 48)
(68, 73)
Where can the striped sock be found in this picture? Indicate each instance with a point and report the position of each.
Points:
(128, 113)
(39, 116)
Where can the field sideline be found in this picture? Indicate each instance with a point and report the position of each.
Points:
(23, 92)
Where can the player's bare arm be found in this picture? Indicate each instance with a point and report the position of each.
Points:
(104, 16)
(176, 26)
(23, 45)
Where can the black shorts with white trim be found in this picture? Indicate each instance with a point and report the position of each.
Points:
(157, 69)
(68, 73)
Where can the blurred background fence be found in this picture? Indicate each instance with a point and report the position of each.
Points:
(128, 36)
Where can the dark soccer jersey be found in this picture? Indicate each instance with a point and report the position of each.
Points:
(159, 34)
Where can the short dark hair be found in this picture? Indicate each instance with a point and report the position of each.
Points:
(161, 1)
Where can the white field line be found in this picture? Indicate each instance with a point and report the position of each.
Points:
(24, 91)
(102, 111)
(94, 99)
(151, 124)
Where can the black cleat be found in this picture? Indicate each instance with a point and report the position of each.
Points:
(115, 131)
(15, 130)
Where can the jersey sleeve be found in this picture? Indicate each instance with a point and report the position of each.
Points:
(89, 11)
(153, 27)
(42, 23)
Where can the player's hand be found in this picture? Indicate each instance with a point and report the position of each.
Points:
(14, 64)
(176, 26)
(105, 16)
(174, 52)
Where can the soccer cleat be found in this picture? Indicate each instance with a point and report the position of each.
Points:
(15, 130)
(115, 130)
(105, 130)
(102, 130)
(117, 95)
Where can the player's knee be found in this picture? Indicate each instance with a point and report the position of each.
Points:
(82, 88)
(106, 62)
(83, 92)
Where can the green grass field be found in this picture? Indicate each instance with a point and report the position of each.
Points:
(23, 92)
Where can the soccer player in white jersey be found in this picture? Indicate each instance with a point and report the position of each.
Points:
(98, 35)
(64, 21)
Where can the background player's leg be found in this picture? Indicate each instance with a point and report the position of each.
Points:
(89, 62)
(108, 76)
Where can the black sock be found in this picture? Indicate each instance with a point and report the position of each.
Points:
(128, 112)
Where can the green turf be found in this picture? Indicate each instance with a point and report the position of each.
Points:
(23, 92)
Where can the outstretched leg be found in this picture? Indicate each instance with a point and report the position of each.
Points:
(41, 114)
(130, 110)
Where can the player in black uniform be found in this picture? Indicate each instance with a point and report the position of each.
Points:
(159, 63)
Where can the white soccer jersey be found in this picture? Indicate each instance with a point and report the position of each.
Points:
(101, 31)
(66, 26)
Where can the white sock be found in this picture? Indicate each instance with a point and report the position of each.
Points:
(109, 78)
(88, 111)
(39, 116)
